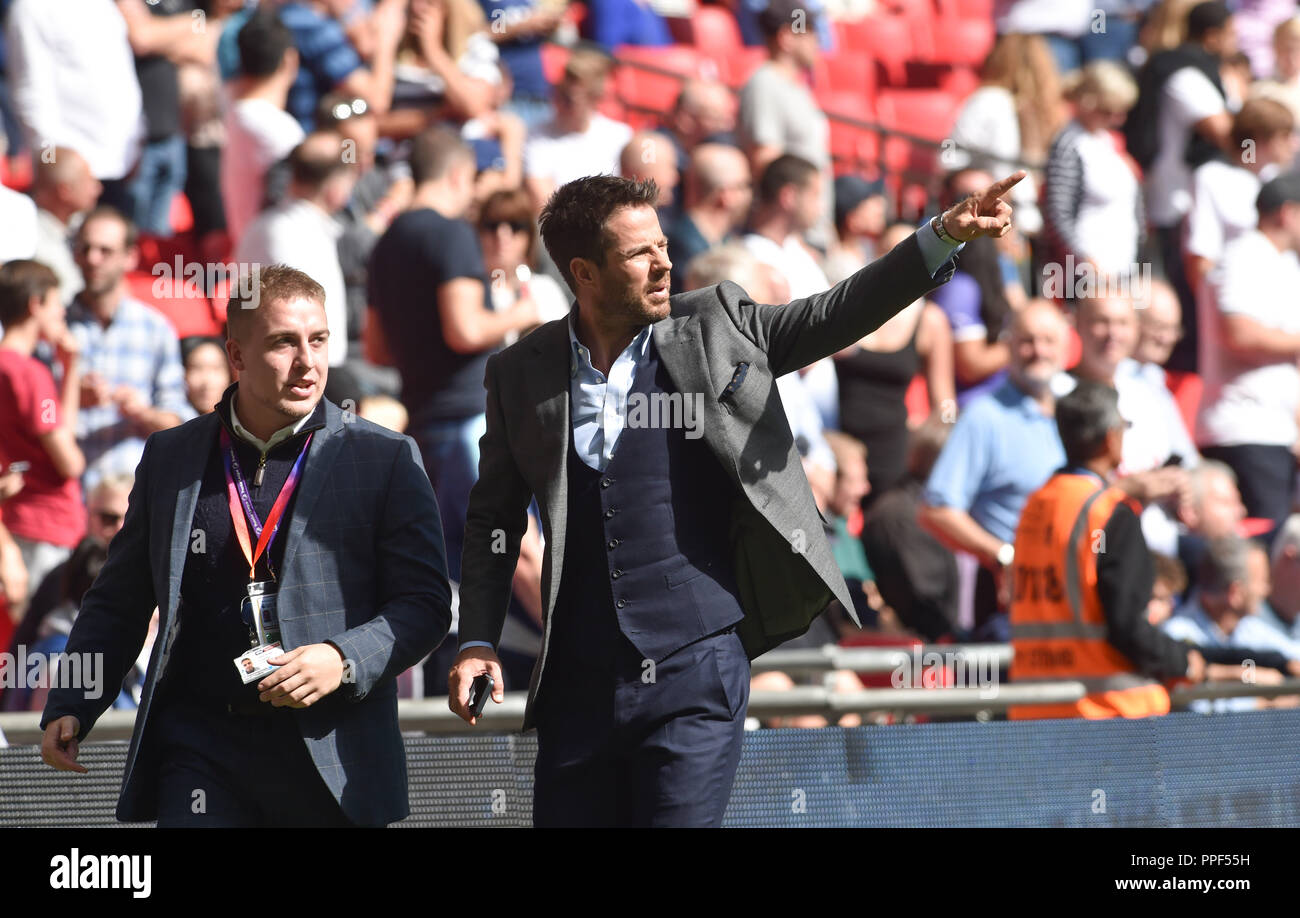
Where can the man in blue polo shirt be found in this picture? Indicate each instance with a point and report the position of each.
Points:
(1001, 450)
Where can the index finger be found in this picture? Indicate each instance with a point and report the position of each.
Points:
(998, 189)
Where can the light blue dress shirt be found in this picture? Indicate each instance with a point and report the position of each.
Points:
(598, 402)
(1001, 450)
(1192, 624)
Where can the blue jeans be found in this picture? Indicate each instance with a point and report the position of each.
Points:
(158, 177)
(450, 453)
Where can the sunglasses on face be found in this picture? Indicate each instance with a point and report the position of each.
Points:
(108, 518)
(493, 227)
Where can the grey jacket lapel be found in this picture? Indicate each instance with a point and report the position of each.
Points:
(324, 448)
(548, 383)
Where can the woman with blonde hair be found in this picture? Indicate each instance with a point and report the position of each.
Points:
(1009, 121)
(1092, 207)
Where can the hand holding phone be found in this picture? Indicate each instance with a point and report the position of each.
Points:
(480, 690)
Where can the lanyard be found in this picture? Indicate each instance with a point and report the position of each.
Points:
(237, 492)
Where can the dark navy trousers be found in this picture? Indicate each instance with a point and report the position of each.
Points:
(622, 743)
(224, 770)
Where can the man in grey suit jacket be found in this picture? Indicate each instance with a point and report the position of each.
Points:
(670, 559)
(360, 582)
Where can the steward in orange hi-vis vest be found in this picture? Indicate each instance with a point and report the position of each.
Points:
(1059, 627)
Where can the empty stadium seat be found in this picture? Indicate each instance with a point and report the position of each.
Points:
(714, 31)
(651, 78)
(183, 304)
(963, 42)
(887, 40)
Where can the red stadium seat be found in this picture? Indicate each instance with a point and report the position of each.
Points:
(966, 9)
(927, 113)
(182, 303)
(846, 73)
(964, 42)
(182, 216)
(715, 32)
(554, 58)
(887, 40)
(736, 68)
(1186, 389)
(917, 400)
(651, 78)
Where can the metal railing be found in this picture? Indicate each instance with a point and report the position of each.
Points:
(432, 716)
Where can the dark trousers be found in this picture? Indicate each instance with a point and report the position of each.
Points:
(627, 744)
(224, 770)
(1170, 241)
(1265, 477)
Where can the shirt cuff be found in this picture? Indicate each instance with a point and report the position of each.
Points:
(476, 644)
(934, 251)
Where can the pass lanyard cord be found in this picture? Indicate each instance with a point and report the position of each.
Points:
(241, 505)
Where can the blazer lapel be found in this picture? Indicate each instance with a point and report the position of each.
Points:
(325, 446)
(186, 479)
(549, 385)
(684, 357)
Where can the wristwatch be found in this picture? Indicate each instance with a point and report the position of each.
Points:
(936, 224)
(1006, 554)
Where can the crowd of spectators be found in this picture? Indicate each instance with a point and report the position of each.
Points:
(400, 152)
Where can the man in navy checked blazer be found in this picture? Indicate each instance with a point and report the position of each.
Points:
(360, 568)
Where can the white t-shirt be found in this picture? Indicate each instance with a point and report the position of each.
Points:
(1244, 403)
(1106, 224)
(1223, 206)
(565, 157)
(17, 225)
(258, 135)
(796, 264)
(72, 78)
(301, 235)
(1187, 97)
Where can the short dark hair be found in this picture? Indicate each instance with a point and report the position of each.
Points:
(786, 169)
(510, 205)
(263, 42)
(434, 151)
(22, 280)
(1085, 417)
(270, 284)
(309, 164)
(573, 220)
(779, 14)
(1205, 17)
(108, 212)
(192, 343)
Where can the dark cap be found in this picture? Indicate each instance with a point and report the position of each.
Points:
(781, 13)
(1285, 189)
(852, 190)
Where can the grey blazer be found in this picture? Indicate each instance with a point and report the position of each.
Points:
(364, 567)
(784, 566)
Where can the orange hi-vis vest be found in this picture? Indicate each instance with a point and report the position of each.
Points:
(1058, 627)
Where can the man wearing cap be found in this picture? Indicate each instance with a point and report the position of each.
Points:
(1248, 354)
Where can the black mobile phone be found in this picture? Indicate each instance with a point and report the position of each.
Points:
(1173, 461)
(480, 690)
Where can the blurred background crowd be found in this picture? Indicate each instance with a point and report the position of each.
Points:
(400, 151)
